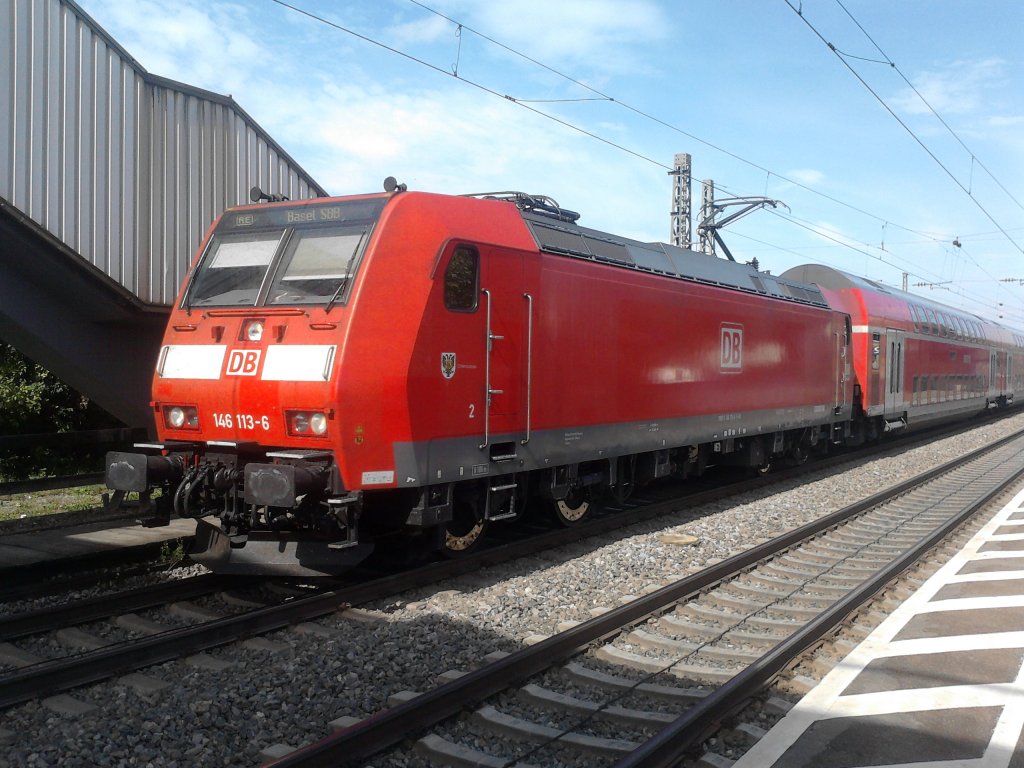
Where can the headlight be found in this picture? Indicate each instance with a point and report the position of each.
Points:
(306, 423)
(176, 417)
(181, 417)
(254, 330)
(318, 423)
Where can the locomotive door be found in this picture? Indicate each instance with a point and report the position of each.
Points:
(840, 371)
(894, 365)
(505, 312)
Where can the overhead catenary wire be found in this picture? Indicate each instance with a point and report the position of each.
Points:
(954, 134)
(454, 74)
(974, 158)
(858, 246)
(602, 96)
(844, 240)
(657, 120)
(525, 103)
(907, 128)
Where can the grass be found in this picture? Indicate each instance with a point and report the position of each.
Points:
(172, 552)
(59, 500)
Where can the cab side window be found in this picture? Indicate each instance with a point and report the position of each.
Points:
(461, 279)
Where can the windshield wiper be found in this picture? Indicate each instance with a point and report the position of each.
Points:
(348, 273)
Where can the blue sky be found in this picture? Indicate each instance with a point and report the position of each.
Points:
(745, 86)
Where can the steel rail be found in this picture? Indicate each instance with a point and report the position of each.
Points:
(105, 606)
(676, 740)
(388, 727)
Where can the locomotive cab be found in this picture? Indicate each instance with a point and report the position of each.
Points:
(246, 390)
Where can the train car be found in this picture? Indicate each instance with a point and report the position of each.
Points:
(915, 360)
(338, 373)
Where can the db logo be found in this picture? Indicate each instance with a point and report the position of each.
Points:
(243, 362)
(732, 348)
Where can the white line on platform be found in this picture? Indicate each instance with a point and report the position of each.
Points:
(826, 700)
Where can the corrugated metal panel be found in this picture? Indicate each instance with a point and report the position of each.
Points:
(126, 168)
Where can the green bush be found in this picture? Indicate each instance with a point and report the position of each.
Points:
(34, 401)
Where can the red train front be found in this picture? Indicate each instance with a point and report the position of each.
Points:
(341, 371)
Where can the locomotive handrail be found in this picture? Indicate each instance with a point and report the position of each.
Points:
(487, 374)
(329, 363)
(529, 363)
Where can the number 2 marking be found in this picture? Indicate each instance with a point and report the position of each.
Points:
(472, 410)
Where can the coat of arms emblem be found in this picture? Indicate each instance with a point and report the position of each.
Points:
(447, 364)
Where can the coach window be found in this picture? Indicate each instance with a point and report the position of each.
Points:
(461, 279)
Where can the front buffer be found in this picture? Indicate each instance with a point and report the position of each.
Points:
(281, 512)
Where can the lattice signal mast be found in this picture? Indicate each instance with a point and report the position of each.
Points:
(681, 227)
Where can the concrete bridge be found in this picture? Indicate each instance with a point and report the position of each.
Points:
(109, 176)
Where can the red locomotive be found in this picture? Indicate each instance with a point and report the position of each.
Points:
(342, 371)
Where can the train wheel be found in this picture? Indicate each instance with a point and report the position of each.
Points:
(464, 532)
(573, 508)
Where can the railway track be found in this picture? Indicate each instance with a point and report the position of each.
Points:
(116, 639)
(141, 642)
(77, 657)
(645, 683)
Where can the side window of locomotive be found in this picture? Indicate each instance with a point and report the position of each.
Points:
(318, 266)
(461, 279)
(233, 269)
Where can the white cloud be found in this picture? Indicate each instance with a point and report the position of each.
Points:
(350, 123)
(430, 29)
(806, 176)
(957, 88)
(442, 139)
(1009, 121)
(208, 45)
(605, 35)
(833, 234)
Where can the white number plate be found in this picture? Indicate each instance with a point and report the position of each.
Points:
(246, 421)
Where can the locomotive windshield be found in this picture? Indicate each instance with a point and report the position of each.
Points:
(309, 257)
